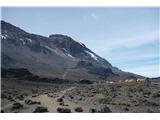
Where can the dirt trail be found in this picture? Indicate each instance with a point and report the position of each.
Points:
(46, 101)
(51, 102)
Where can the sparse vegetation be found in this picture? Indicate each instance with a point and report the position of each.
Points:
(105, 109)
(93, 98)
(150, 110)
(105, 100)
(156, 95)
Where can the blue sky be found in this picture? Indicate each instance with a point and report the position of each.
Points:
(127, 37)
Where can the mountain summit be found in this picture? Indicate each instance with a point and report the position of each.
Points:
(54, 56)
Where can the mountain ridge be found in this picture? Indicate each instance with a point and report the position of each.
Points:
(54, 56)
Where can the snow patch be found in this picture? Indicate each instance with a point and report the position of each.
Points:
(64, 49)
(82, 44)
(29, 40)
(92, 55)
(3, 37)
(59, 52)
(51, 49)
(23, 42)
(69, 55)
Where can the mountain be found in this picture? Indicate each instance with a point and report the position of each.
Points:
(54, 56)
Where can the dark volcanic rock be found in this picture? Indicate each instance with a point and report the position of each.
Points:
(105, 109)
(17, 106)
(30, 102)
(63, 110)
(19, 73)
(40, 109)
(102, 71)
(93, 110)
(85, 82)
(60, 100)
(156, 95)
(20, 97)
(151, 103)
(78, 109)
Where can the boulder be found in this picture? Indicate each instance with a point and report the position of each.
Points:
(78, 109)
(17, 106)
(93, 110)
(40, 109)
(63, 110)
(60, 100)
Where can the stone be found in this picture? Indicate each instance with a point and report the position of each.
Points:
(40, 109)
(21, 97)
(156, 95)
(17, 106)
(78, 109)
(93, 110)
(63, 110)
(30, 102)
(60, 100)
(105, 109)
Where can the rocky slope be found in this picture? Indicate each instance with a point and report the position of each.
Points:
(54, 56)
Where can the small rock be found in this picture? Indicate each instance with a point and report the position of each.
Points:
(10, 98)
(63, 110)
(156, 95)
(3, 95)
(21, 97)
(50, 95)
(80, 98)
(78, 109)
(146, 92)
(150, 111)
(17, 106)
(146, 96)
(151, 103)
(62, 104)
(34, 95)
(40, 109)
(71, 96)
(62, 96)
(93, 110)
(30, 102)
(94, 92)
(126, 109)
(60, 100)
(105, 109)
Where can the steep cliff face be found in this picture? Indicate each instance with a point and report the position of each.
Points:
(53, 56)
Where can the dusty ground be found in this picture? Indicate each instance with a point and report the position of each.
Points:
(23, 96)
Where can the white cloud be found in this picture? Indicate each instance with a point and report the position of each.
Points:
(137, 54)
(138, 40)
(148, 71)
(122, 51)
(106, 46)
